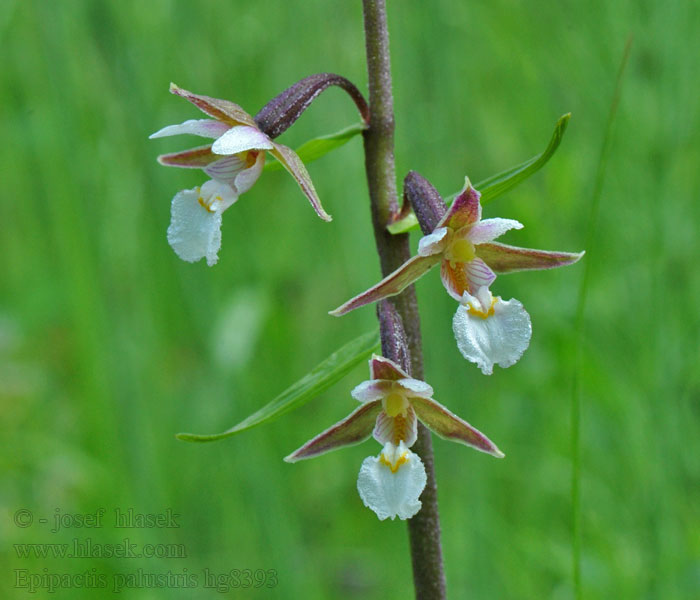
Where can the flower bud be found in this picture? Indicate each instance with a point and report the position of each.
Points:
(284, 109)
(426, 201)
(393, 335)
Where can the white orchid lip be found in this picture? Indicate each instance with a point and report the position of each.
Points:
(491, 331)
(482, 304)
(211, 197)
(391, 484)
(195, 226)
(394, 456)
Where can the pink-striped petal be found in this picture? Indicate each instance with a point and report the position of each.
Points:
(490, 229)
(247, 178)
(465, 210)
(396, 429)
(392, 284)
(507, 259)
(202, 127)
(355, 428)
(226, 169)
(240, 139)
(240, 171)
(479, 274)
(221, 110)
(296, 168)
(449, 426)
(385, 368)
(195, 158)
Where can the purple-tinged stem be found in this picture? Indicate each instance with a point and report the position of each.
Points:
(393, 250)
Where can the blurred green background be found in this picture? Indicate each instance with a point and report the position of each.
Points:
(109, 344)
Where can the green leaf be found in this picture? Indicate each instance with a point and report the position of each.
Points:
(319, 146)
(331, 370)
(494, 186)
(499, 184)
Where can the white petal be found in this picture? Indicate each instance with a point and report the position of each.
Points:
(416, 387)
(374, 389)
(392, 494)
(433, 243)
(490, 229)
(194, 231)
(241, 138)
(208, 128)
(500, 338)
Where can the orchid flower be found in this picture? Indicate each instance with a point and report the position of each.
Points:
(463, 243)
(234, 161)
(392, 403)
(488, 330)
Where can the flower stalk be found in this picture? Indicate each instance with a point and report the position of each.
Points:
(424, 528)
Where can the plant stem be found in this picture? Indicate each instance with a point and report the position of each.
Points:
(393, 250)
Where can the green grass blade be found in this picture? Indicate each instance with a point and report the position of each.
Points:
(317, 147)
(319, 379)
(499, 184)
(579, 332)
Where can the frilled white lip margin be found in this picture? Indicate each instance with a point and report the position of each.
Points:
(391, 483)
(195, 225)
(490, 331)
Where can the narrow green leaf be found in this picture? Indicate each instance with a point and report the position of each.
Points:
(319, 146)
(331, 370)
(499, 184)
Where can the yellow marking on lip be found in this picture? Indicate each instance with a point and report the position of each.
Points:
(401, 460)
(477, 312)
(208, 205)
